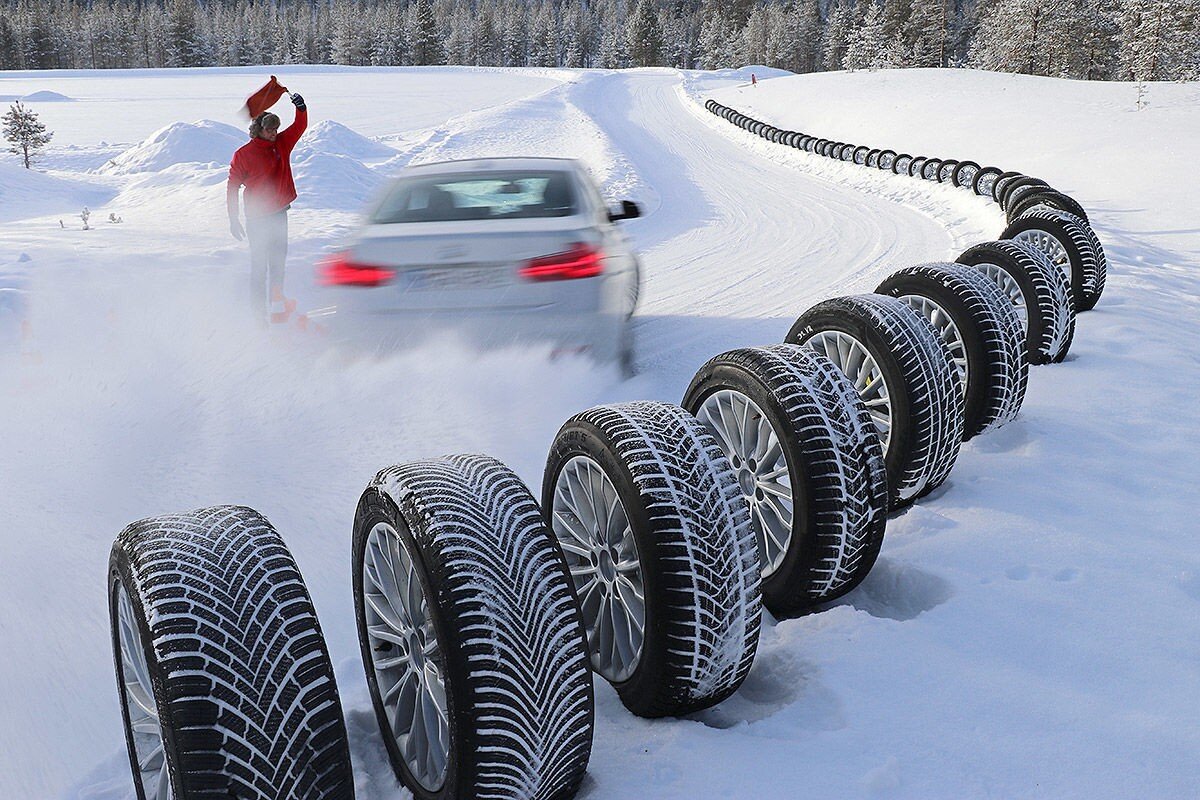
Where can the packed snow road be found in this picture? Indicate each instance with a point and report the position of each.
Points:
(994, 651)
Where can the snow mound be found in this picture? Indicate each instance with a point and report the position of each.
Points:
(203, 142)
(334, 181)
(28, 193)
(333, 138)
(47, 96)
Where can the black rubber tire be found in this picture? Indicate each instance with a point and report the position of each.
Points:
(886, 159)
(922, 381)
(946, 171)
(964, 174)
(847, 154)
(502, 605)
(1051, 198)
(834, 464)
(930, 169)
(997, 371)
(901, 164)
(696, 550)
(860, 154)
(819, 146)
(984, 180)
(710, 105)
(1049, 308)
(1003, 180)
(1017, 186)
(916, 165)
(241, 677)
(872, 159)
(1087, 265)
(835, 151)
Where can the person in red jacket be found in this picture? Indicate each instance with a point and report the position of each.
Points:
(263, 167)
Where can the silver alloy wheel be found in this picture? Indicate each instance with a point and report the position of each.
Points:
(593, 529)
(1011, 289)
(139, 702)
(1048, 244)
(754, 450)
(857, 364)
(947, 331)
(405, 656)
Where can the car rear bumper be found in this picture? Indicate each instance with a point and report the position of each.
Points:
(598, 336)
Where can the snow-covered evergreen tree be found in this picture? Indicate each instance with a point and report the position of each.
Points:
(643, 36)
(865, 43)
(926, 32)
(421, 33)
(24, 132)
(837, 34)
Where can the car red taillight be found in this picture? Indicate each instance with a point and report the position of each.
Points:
(581, 261)
(340, 270)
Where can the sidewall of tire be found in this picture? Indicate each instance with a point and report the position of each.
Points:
(121, 573)
(375, 507)
(880, 350)
(799, 558)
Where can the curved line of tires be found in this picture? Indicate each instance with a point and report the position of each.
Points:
(661, 533)
(1031, 205)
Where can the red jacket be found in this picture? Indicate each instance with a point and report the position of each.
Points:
(263, 168)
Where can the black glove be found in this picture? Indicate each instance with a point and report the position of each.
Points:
(298, 102)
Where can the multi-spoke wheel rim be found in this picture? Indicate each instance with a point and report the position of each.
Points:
(856, 363)
(1011, 289)
(405, 656)
(947, 331)
(754, 450)
(593, 528)
(138, 690)
(1048, 244)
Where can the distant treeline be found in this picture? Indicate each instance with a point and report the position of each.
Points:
(1092, 39)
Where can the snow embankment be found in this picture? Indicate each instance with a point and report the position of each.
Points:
(203, 142)
(334, 138)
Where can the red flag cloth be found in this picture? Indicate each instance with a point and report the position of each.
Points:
(264, 98)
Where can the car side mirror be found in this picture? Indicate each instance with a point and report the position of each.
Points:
(629, 210)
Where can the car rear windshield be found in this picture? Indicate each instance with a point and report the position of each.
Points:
(486, 195)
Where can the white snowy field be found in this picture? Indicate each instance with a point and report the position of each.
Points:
(1032, 628)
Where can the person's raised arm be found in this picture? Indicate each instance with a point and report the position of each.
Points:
(287, 138)
(232, 187)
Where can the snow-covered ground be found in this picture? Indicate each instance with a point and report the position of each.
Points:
(1032, 629)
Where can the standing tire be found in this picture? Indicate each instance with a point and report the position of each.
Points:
(872, 159)
(964, 174)
(931, 169)
(470, 635)
(1038, 290)
(809, 464)
(886, 159)
(225, 684)
(1001, 181)
(985, 178)
(1014, 188)
(980, 326)
(916, 165)
(901, 164)
(909, 384)
(1071, 244)
(946, 171)
(665, 561)
(1050, 198)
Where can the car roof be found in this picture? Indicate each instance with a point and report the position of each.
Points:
(544, 163)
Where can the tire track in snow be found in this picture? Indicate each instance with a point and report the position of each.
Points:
(735, 246)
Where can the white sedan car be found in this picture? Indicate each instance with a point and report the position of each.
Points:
(492, 250)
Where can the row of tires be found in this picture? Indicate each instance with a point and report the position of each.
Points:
(661, 533)
(1036, 212)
